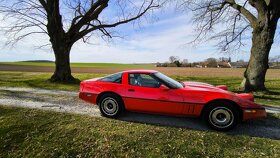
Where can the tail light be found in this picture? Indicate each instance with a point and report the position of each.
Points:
(246, 96)
(224, 87)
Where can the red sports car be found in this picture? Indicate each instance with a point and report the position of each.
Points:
(150, 91)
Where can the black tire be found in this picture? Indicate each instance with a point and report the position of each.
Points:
(221, 115)
(110, 105)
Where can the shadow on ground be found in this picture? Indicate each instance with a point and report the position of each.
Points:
(267, 128)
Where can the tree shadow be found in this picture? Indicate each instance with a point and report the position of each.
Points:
(269, 92)
(268, 98)
(266, 128)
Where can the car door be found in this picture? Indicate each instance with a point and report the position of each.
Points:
(144, 93)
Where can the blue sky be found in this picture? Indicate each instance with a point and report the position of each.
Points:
(153, 41)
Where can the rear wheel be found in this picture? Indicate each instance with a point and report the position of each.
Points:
(110, 105)
(221, 115)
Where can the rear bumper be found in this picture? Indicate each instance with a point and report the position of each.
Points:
(89, 97)
(254, 113)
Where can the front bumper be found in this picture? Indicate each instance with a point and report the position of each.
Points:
(254, 113)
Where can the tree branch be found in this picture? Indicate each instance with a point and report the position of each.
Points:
(102, 27)
(250, 17)
(260, 5)
(44, 4)
(47, 15)
(128, 20)
(93, 13)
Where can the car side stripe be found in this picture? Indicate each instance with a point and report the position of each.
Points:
(165, 100)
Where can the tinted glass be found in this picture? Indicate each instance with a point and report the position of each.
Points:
(115, 78)
(168, 81)
(143, 80)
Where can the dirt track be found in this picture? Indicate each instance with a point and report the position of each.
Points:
(205, 72)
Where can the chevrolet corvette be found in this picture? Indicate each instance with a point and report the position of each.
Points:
(150, 91)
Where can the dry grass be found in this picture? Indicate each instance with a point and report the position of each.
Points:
(190, 72)
(214, 72)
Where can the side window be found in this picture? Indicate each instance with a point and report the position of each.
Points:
(143, 80)
(115, 78)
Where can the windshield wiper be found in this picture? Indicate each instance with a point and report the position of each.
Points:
(182, 84)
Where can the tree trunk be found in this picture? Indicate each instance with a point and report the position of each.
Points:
(62, 64)
(254, 76)
(61, 44)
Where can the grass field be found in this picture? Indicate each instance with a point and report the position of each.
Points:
(34, 133)
(99, 65)
(39, 80)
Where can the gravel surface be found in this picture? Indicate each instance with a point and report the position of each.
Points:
(39, 91)
(78, 108)
(59, 101)
(64, 101)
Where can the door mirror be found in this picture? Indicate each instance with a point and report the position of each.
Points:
(163, 87)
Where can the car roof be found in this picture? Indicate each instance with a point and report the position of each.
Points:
(140, 71)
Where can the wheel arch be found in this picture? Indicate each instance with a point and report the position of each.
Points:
(107, 92)
(240, 112)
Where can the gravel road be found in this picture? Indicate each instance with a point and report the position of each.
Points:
(64, 101)
(59, 101)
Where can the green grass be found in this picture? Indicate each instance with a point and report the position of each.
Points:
(39, 80)
(34, 133)
(99, 65)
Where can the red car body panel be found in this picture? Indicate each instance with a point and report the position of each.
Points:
(187, 101)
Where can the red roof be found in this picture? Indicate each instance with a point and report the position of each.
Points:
(141, 71)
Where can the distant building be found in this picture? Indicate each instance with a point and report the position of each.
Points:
(223, 64)
(198, 66)
(239, 64)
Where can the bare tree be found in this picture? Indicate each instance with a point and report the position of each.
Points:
(185, 61)
(229, 21)
(68, 21)
(211, 62)
(173, 59)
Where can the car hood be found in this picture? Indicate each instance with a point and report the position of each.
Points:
(197, 84)
(205, 86)
(221, 88)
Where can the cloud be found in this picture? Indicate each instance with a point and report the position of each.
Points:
(152, 42)
(142, 46)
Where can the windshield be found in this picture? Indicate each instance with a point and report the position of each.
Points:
(171, 83)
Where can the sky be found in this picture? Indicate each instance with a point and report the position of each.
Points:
(153, 41)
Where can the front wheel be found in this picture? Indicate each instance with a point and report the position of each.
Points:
(110, 105)
(221, 116)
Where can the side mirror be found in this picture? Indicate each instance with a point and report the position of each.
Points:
(163, 87)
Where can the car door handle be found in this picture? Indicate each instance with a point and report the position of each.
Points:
(131, 90)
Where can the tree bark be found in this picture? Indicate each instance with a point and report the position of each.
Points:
(62, 65)
(61, 44)
(262, 40)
